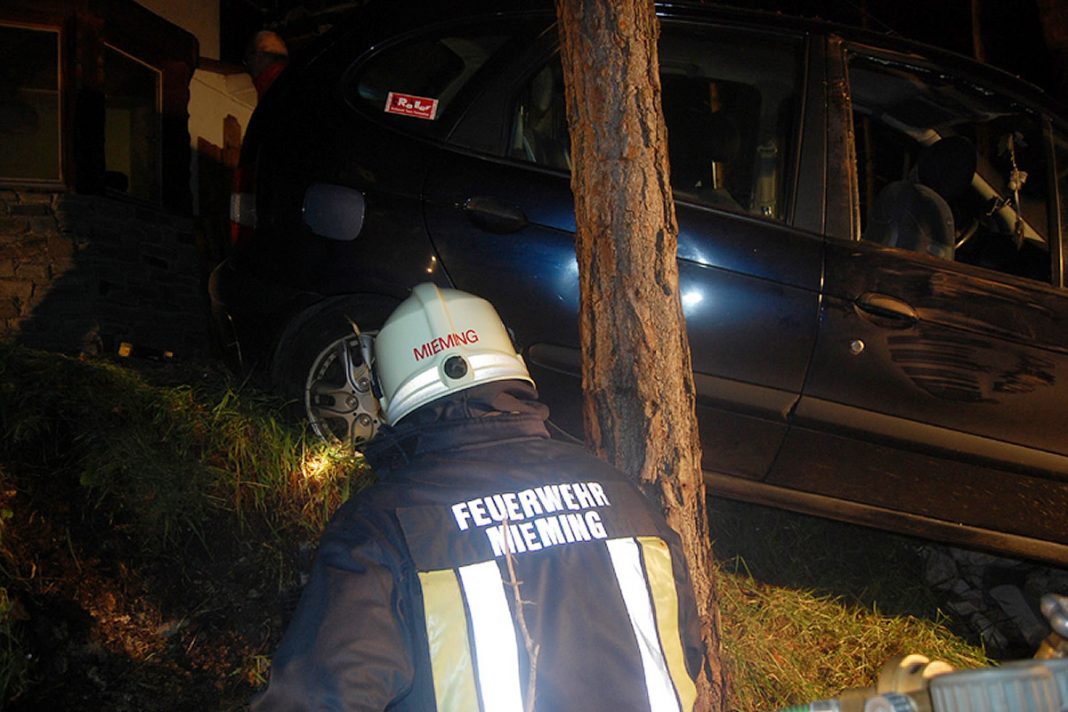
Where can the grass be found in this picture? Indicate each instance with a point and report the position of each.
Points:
(819, 606)
(792, 646)
(169, 456)
(812, 607)
(173, 455)
(862, 566)
(168, 461)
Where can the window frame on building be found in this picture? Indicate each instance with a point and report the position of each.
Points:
(87, 28)
(134, 188)
(58, 177)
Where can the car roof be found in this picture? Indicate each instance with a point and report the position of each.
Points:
(379, 20)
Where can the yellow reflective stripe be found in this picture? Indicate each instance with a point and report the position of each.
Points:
(627, 563)
(666, 603)
(446, 632)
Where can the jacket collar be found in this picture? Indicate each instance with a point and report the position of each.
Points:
(491, 412)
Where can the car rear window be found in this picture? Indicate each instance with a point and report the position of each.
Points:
(414, 83)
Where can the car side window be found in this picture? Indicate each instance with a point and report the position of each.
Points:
(950, 169)
(730, 102)
(539, 124)
(413, 83)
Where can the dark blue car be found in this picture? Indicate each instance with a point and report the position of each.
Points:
(870, 249)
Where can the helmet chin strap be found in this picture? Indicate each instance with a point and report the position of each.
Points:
(367, 351)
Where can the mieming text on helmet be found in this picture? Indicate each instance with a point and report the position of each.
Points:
(442, 343)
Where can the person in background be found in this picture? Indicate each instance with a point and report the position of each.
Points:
(489, 567)
(265, 58)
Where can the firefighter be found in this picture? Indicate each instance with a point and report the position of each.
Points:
(489, 567)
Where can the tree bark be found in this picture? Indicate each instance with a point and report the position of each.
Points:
(637, 374)
(1054, 15)
(978, 46)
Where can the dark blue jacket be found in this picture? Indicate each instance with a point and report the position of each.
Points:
(477, 513)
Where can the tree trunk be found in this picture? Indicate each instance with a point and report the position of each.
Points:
(978, 46)
(636, 373)
(1054, 17)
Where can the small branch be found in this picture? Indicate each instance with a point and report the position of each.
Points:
(528, 641)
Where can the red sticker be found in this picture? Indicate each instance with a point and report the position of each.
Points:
(407, 105)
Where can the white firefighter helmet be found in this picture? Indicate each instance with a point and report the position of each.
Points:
(439, 341)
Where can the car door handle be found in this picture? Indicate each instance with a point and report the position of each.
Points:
(495, 215)
(887, 307)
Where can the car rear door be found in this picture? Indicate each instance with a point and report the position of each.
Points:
(500, 212)
(942, 381)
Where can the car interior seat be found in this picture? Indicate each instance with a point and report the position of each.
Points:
(542, 135)
(915, 213)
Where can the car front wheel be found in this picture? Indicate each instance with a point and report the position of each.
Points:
(338, 401)
(321, 372)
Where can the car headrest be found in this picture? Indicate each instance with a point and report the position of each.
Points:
(947, 166)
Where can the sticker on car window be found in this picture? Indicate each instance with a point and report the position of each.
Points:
(407, 105)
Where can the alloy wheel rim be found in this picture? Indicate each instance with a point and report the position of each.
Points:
(338, 399)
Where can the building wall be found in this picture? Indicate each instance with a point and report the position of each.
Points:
(216, 92)
(84, 269)
(83, 273)
(212, 97)
(83, 266)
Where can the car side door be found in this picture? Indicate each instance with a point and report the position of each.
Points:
(500, 211)
(939, 369)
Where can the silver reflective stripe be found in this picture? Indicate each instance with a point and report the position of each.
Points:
(626, 560)
(497, 657)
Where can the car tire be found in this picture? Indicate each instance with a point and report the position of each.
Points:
(320, 371)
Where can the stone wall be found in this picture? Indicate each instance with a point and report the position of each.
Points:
(82, 273)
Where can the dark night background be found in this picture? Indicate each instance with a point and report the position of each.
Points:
(1028, 38)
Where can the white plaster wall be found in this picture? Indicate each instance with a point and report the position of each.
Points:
(212, 95)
